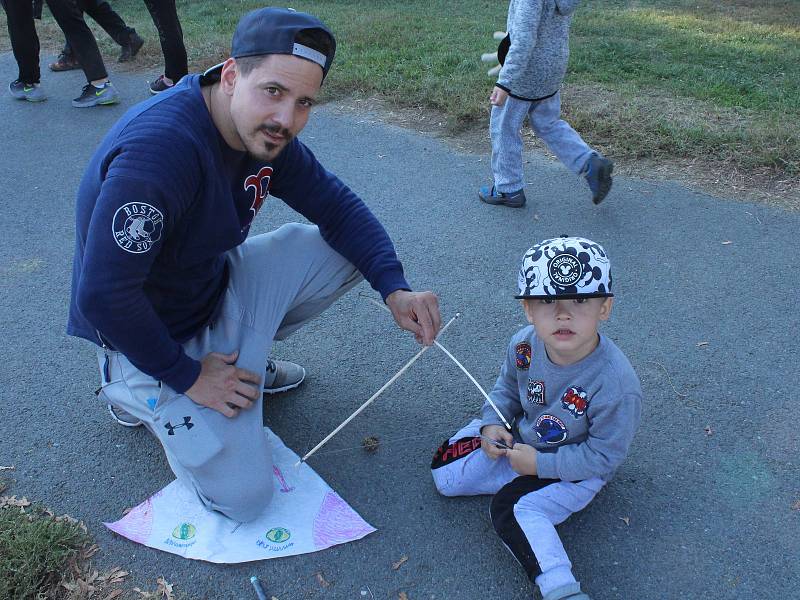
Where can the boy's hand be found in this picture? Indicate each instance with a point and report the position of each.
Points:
(522, 458)
(498, 97)
(495, 432)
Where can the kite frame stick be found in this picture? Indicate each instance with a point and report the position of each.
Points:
(374, 396)
(460, 366)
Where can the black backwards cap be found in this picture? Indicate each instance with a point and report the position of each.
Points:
(272, 30)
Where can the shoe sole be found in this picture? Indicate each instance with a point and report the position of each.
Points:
(120, 421)
(286, 388)
(605, 173)
(501, 202)
(104, 103)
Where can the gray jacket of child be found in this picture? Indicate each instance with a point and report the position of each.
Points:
(537, 58)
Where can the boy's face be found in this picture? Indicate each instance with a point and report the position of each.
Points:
(568, 328)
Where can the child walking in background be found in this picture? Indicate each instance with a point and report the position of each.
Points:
(573, 401)
(534, 57)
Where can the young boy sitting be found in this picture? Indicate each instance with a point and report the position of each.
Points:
(573, 402)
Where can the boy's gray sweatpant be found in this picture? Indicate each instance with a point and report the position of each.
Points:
(525, 509)
(545, 119)
(278, 282)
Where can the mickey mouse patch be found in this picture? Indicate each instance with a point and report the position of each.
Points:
(522, 353)
(536, 392)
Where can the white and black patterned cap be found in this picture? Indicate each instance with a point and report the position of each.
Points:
(565, 268)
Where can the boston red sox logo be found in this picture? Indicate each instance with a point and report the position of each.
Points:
(260, 185)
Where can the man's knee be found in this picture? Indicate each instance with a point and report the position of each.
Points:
(247, 503)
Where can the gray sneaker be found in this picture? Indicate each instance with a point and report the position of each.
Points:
(32, 92)
(123, 417)
(96, 96)
(282, 376)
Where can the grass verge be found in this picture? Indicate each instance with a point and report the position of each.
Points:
(713, 84)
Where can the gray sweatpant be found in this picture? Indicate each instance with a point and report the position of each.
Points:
(524, 510)
(545, 119)
(278, 282)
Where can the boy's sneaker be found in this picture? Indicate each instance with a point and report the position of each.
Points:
(123, 417)
(32, 92)
(65, 62)
(598, 176)
(571, 591)
(132, 48)
(96, 96)
(492, 196)
(282, 376)
(162, 84)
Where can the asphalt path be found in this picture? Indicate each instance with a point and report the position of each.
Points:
(706, 310)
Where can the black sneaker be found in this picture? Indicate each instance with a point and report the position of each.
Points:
(162, 84)
(96, 96)
(492, 196)
(132, 48)
(65, 62)
(32, 92)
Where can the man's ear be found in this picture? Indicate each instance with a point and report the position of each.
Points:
(227, 78)
(605, 308)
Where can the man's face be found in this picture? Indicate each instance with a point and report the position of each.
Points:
(568, 328)
(271, 104)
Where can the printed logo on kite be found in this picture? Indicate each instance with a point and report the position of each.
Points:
(184, 531)
(522, 354)
(550, 429)
(278, 535)
(575, 400)
(137, 226)
(536, 392)
(260, 185)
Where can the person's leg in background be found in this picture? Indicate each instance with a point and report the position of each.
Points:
(25, 44)
(99, 90)
(170, 34)
(129, 41)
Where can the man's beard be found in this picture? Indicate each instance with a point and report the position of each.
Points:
(270, 150)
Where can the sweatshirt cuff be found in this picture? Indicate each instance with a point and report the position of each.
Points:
(183, 375)
(390, 281)
(546, 465)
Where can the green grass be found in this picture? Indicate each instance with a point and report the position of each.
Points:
(717, 82)
(36, 550)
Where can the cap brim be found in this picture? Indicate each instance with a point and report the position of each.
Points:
(566, 296)
(213, 74)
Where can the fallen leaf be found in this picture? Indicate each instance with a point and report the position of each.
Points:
(796, 505)
(402, 596)
(399, 563)
(14, 501)
(626, 520)
(708, 430)
(164, 588)
(371, 443)
(727, 243)
(322, 581)
(114, 594)
(701, 344)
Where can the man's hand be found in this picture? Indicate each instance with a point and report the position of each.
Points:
(223, 386)
(523, 459)
(498, 97)
(499, 433)
(417, 312)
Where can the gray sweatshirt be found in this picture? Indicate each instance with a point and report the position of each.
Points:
(581, 417)
(537, 58)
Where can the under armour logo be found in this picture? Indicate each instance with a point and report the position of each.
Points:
(187, 422)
